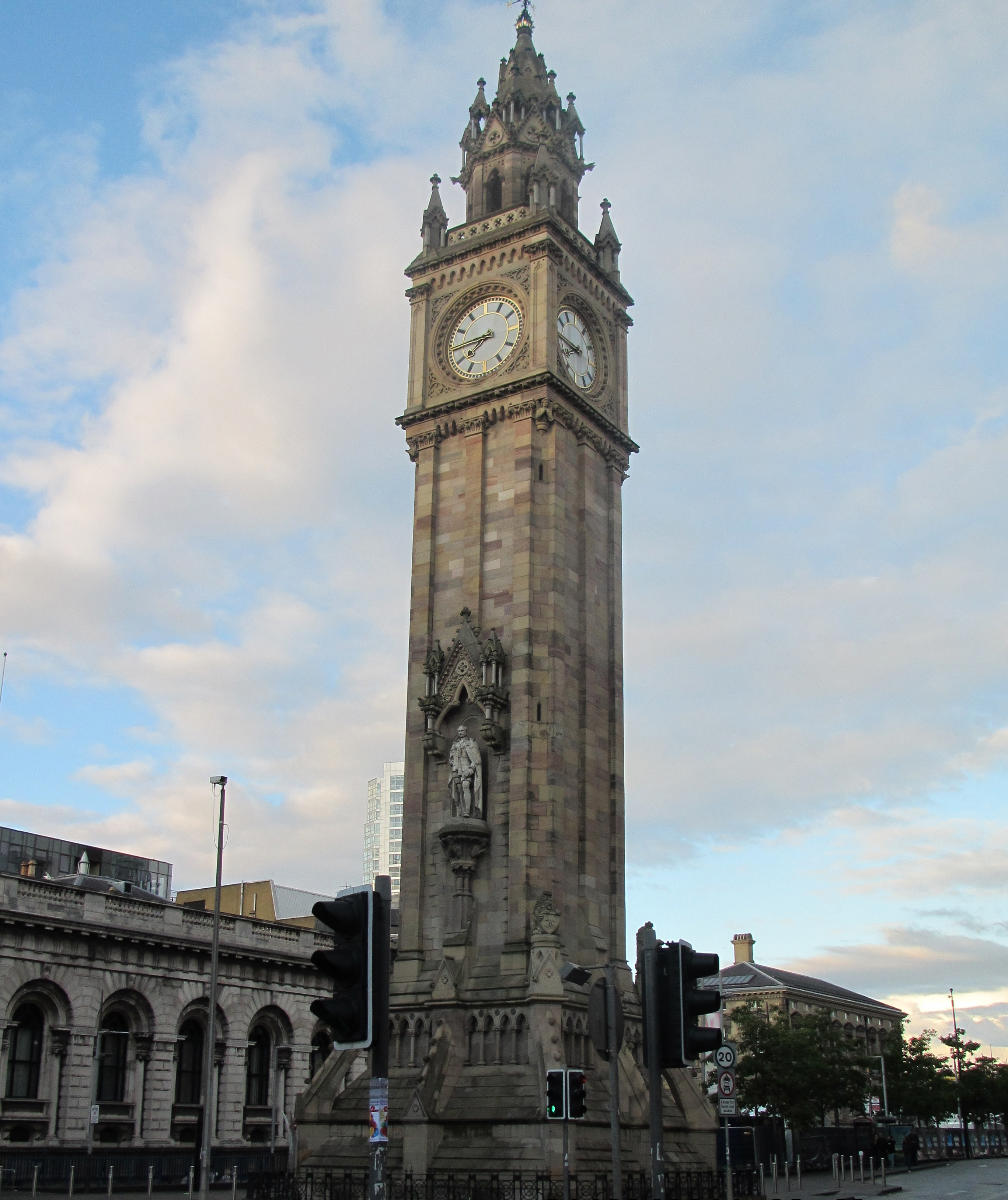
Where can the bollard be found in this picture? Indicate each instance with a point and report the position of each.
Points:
(109, 1192)
(798, 1169)
(150, 1180)
(836, 1169)
(883, 1170)
(70, 1188)
(234, 1180)
(35, 1180)
(762, 1181)
(773, 1172)
(191, 1171)
(860, 1155)
(787, 1176)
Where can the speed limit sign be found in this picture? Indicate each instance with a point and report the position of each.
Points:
(724, 1056)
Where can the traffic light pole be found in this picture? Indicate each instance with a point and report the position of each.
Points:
(378, 1164)
(647, 944)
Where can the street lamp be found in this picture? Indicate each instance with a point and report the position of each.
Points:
(579, 976)
(211, 1030)
(885, 1095)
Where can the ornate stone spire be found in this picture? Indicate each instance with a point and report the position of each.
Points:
(435, 219)
(525, 137)
(607, 244)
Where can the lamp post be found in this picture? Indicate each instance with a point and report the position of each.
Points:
(885, 1095)
(579, 976)
(211, 1030)
(957, 1064)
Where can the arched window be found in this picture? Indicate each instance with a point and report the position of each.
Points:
(257, 1068)
(25, 1056)
(189, 1070)
(494, 193)
(113, 1055)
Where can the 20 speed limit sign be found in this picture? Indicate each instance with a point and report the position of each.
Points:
(724, 1056)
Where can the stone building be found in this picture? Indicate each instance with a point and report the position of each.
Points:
(103, 999)
(516, 422)
(867, 1022)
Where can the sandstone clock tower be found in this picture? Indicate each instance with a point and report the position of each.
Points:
(513, 830)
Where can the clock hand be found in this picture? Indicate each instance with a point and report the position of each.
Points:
(476, 341)
(566, 342)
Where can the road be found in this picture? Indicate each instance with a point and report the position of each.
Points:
(977, 1179)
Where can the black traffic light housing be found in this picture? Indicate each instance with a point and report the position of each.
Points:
(679, 968)
(577, 1100)
(349, 966)
(556, 1107)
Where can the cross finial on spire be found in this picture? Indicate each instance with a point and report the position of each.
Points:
(435, 179)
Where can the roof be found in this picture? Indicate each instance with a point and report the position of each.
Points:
(289, 902)
(743, 977)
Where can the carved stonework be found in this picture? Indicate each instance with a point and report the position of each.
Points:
(474, 668)
(545, 915)
(464, 841)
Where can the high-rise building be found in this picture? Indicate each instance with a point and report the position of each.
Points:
(383, 827)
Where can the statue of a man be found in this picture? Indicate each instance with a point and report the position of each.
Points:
(466, 786)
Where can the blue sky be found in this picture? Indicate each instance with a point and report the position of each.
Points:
(205, 504)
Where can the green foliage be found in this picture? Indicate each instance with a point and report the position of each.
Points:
(920, 1083)
(797, 1068)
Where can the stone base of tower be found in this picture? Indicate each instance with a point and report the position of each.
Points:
(455, 1108)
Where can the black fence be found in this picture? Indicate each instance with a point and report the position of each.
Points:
(353, 1185)
(51, 1170)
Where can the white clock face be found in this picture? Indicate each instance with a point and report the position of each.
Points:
(485, 336)
(577, 350)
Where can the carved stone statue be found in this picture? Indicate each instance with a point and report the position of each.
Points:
(466, 786)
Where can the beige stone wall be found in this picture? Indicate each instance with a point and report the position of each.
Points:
(76, 953)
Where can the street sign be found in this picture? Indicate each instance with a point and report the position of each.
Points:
(725, 1056)
(727, 1107)
(726, 1083)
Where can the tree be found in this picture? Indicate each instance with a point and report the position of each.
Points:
(919, 1082)
(797, 1069)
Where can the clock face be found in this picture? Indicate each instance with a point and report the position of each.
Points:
(484, 337)
(577, 350)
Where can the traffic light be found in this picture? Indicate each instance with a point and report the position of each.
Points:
(694, 967)
(555, 1109)
(680, 1002)
(349, 966)
(577, 1101)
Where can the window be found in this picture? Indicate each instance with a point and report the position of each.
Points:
(25, 1059)
(257, 1068)
(189, 1072)
(113, 1053)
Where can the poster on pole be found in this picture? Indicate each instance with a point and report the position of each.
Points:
(378, 1111)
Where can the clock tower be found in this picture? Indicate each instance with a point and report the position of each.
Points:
(516, 422)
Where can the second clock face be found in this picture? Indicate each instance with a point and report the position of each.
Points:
(577, 350)
(485, 336)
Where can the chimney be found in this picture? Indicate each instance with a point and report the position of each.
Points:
(743, 944)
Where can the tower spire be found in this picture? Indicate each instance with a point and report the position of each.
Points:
(524, 147)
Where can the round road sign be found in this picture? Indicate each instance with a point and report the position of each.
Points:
(724, 1056)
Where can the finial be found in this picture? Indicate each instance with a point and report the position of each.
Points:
(524, 18)
(436, 179)
(571, 97)
(605, 206)
(481, 83)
